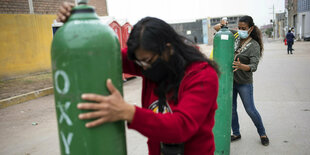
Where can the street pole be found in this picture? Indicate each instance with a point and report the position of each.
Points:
(273, 23)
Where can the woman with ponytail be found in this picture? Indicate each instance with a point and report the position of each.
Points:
(248, 51)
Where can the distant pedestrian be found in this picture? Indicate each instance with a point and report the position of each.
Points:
(293, 31)
(290, 41)
(248, 50)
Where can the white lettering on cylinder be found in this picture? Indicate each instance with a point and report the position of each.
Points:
(64, 115)
(66, 82)
(66, 141)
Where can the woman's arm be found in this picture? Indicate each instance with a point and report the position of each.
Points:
(197, 101)
(254, 56)
(218, 26)
(64, 11)
(107, 108)
(129, 66)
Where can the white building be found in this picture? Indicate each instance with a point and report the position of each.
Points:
(302, 29)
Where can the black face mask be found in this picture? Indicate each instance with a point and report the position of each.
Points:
(158, 71)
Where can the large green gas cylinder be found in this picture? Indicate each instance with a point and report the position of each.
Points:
(223, 48)
(85, 53)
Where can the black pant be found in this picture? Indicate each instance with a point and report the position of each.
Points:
(289, 47)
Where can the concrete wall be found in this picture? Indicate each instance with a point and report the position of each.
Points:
(25, 42)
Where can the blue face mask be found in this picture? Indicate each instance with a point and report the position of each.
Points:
(243, 34)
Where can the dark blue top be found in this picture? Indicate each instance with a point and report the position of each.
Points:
(290, 37)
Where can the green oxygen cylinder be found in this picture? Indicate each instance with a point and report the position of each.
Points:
(223, 48)
(85, 53)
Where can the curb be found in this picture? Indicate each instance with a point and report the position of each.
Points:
(25, 97)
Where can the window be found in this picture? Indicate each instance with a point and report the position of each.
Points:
(303, 5)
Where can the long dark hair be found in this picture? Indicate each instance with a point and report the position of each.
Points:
(153, 34)
(256, 34)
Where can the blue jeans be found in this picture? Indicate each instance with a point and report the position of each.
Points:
(245, 91)
(289, 47)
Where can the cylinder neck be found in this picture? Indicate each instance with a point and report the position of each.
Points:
(225, 28)
(83, 2)
(81, 12)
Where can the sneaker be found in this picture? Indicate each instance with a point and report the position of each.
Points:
(264, 140)
(234, 137)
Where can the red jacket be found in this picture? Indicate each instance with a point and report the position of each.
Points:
(192, 119)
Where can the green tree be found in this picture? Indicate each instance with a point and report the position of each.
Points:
(269, 32)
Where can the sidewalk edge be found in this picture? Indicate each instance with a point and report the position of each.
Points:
(25, 97)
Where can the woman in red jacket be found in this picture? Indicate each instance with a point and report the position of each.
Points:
(180, 87)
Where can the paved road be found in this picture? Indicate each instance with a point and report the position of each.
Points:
(281, 88)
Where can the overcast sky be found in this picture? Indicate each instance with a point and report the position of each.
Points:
(186, 10)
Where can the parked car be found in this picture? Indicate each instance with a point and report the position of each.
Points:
(307, 37)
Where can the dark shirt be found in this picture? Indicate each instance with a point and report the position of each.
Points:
(250, 56)
(290, 37)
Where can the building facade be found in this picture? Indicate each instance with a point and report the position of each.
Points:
(232, 24)
(298, 16)
(291, 9)
(232, 21)
(201, 31)
(190, 30)
(44, 6)
(280, 25)
(198, 31)
(302, 29)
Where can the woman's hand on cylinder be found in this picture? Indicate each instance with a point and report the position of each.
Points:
(238, 65)
(223, 22)
(107, 109)
(64, 11)
(218, 26)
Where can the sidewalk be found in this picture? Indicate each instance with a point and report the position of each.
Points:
(25, 88)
